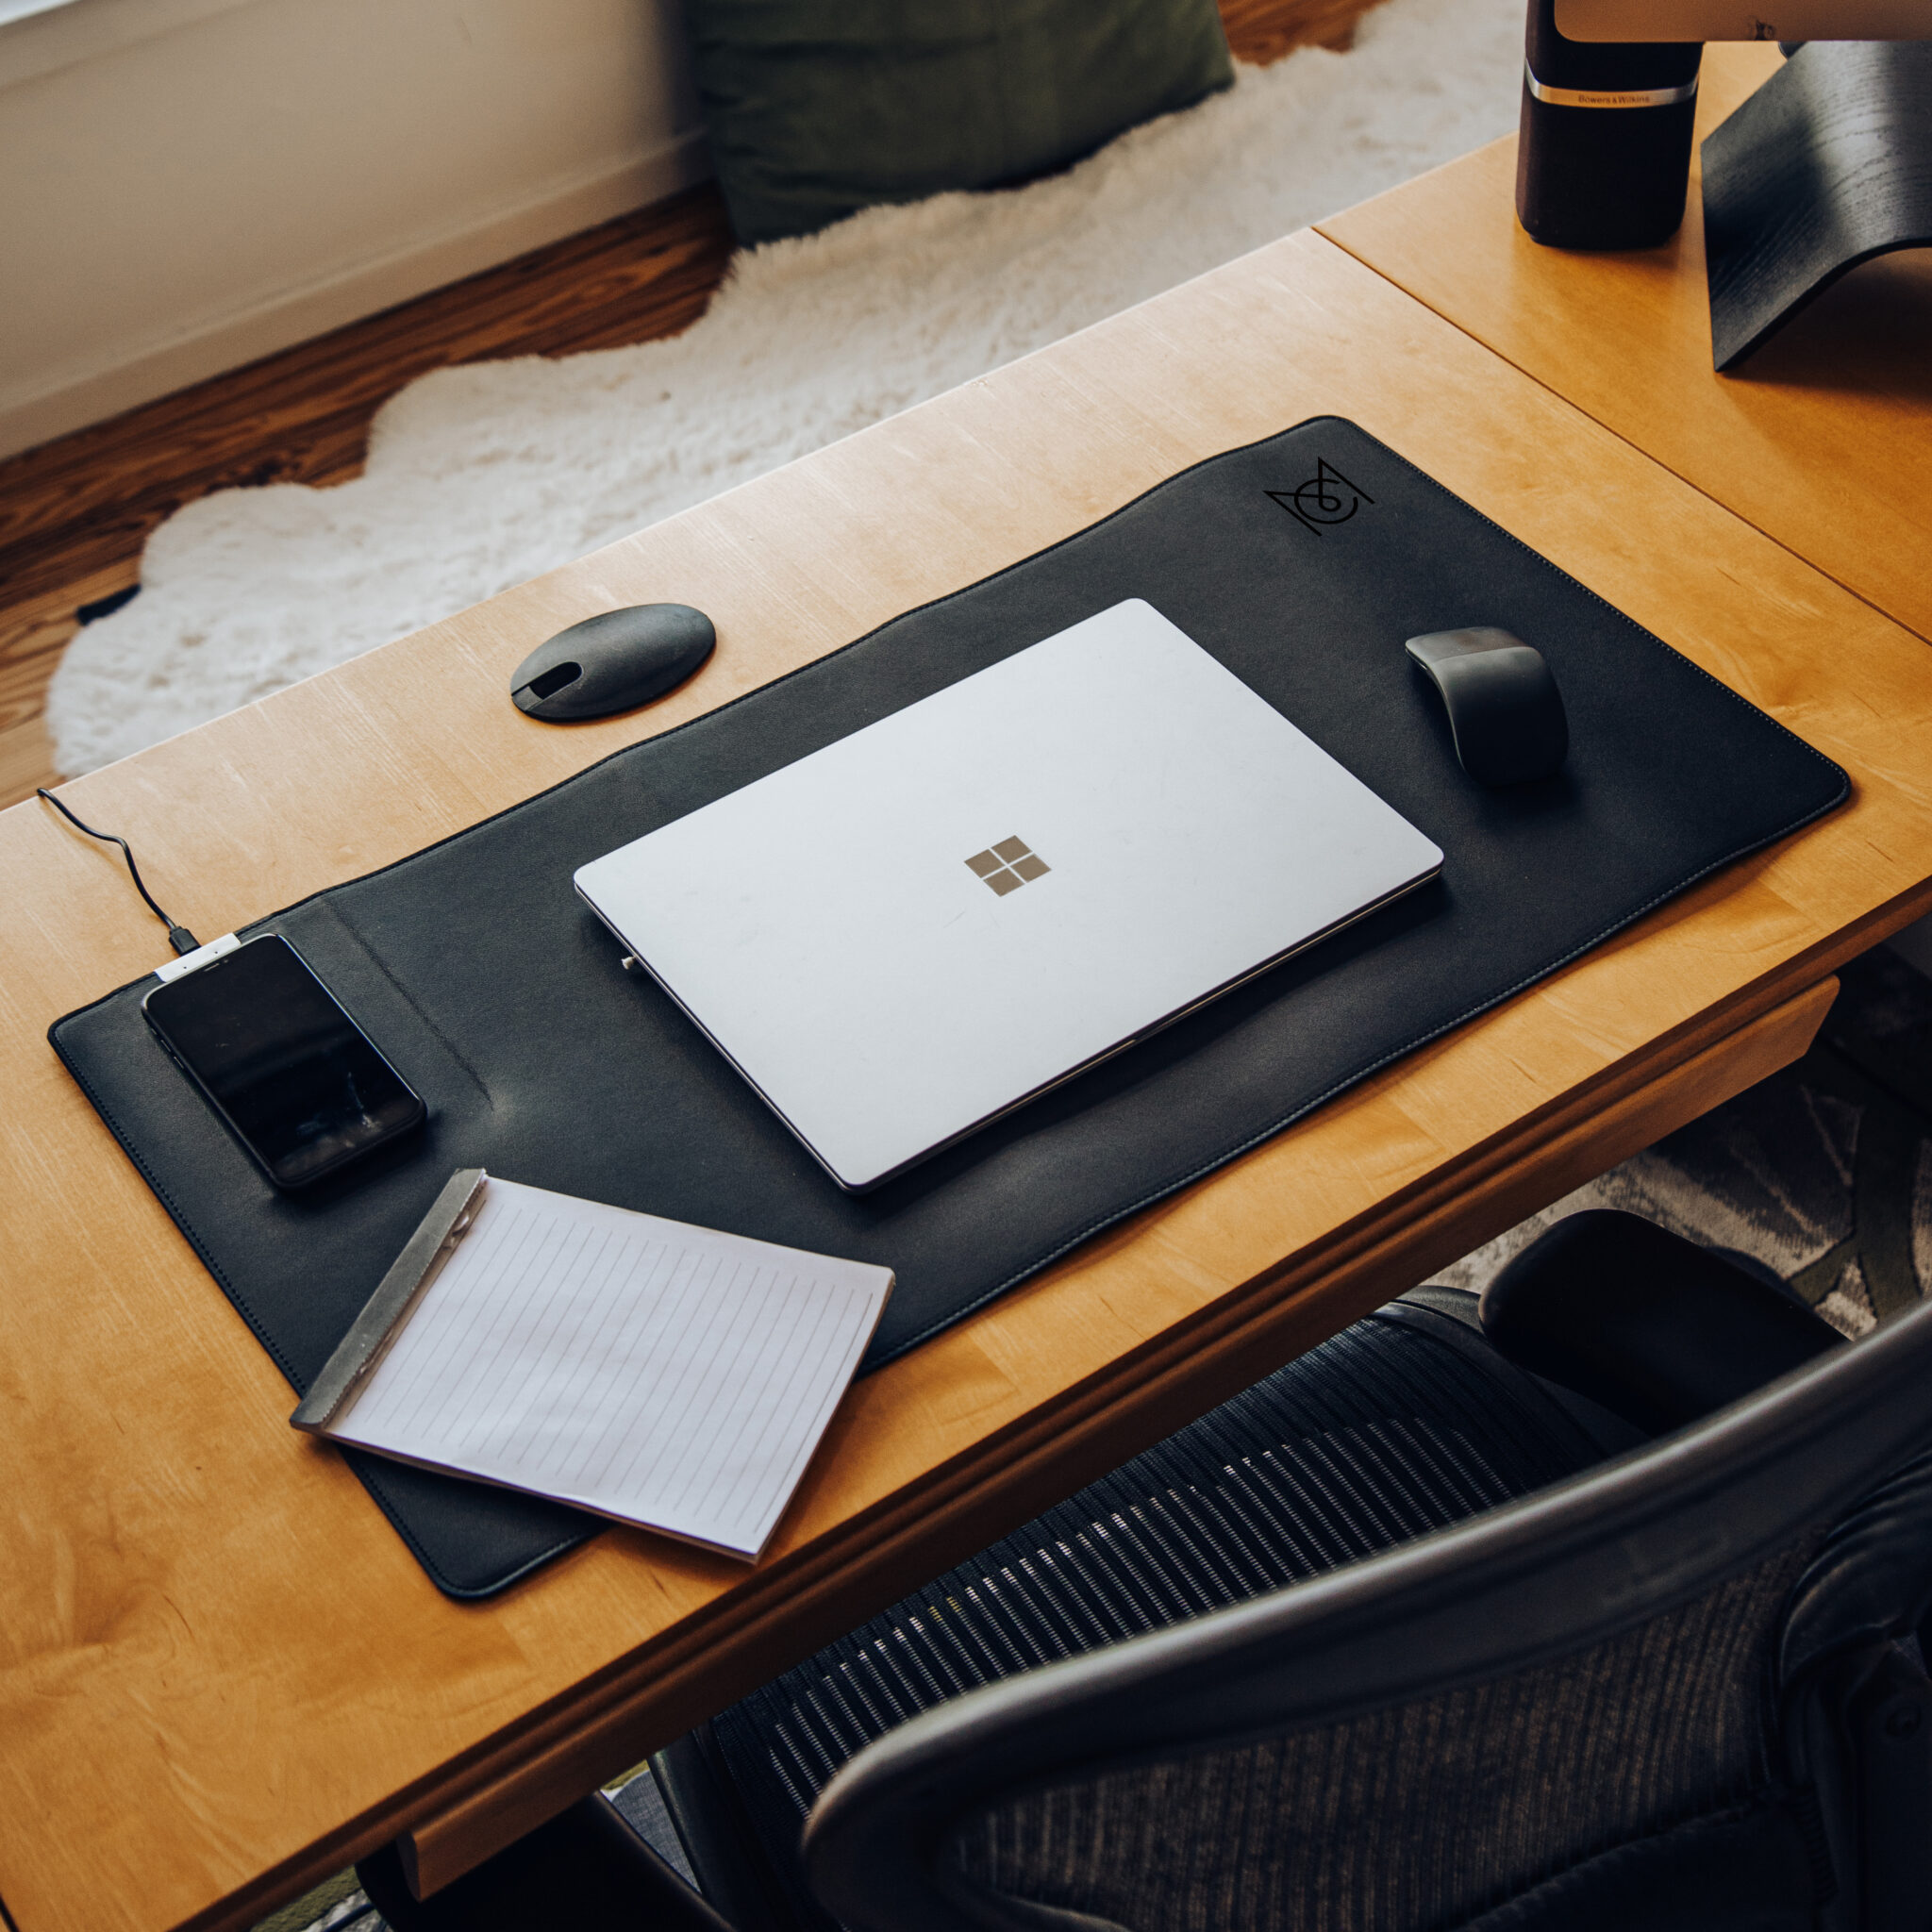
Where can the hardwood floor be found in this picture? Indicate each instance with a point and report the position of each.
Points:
(74, 513)
(1263, 30)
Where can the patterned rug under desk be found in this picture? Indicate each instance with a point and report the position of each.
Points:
(1821, 1174)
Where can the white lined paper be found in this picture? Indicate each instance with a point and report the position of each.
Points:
(663, 1375)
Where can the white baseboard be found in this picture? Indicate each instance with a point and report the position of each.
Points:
(347, 295)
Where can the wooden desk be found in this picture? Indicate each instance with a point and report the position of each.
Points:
(221, 1675)
(1823, 440)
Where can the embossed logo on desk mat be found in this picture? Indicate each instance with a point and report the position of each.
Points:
(1326, 497)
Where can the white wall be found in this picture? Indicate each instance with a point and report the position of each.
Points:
(188, 184)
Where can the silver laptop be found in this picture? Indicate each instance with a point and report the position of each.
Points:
(902, 936)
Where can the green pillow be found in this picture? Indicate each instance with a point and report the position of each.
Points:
(817, 107)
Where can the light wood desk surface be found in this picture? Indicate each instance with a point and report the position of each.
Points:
(221, 1674)
(1823, 439)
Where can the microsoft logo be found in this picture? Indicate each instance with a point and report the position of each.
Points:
(1008, 866)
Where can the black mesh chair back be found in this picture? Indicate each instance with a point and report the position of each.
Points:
(1677, 1689)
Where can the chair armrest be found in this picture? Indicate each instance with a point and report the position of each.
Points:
(1652, 1327)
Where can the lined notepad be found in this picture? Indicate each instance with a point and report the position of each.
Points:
(660, 1374)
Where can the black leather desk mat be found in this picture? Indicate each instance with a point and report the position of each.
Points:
(477, 968)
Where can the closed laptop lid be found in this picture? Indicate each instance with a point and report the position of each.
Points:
(913, 930)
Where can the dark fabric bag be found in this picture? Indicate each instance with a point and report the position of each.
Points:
(818, 107)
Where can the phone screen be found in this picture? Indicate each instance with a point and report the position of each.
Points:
(298, 1081)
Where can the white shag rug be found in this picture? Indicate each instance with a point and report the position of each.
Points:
(481, 477)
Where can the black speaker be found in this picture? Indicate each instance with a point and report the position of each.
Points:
(1605, 152)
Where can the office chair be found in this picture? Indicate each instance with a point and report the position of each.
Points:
(1598, 1612)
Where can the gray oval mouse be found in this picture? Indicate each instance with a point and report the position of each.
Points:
(613, 662)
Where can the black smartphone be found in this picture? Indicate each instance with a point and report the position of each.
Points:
(300, 1085)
